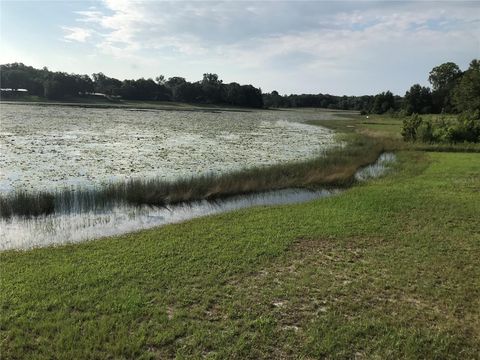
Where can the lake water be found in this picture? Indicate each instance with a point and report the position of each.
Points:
(49, 147)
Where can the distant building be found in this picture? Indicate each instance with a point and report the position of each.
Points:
(23, 91)
(11, 93)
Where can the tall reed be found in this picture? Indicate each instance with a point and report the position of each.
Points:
(336, 167)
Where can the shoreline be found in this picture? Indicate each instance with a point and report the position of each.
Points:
(335, 168)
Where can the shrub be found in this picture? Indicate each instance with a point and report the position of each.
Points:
(466, 128)
(425, 132)
(410, 127)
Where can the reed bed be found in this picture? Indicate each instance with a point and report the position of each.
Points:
(334, 168)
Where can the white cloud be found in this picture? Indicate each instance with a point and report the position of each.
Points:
(76, 34)
(284, 37)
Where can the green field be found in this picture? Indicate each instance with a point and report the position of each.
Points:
(387, 269)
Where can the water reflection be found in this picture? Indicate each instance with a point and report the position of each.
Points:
(378, 168)
(19, 233)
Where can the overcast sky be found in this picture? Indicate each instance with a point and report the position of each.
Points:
(352, 48)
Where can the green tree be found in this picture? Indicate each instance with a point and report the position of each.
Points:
(106, 85)
(383, 102)
(418, 100)
(212, 88)
(443, 79)
(466, 95)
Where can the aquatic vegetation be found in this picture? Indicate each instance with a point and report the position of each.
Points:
(61, 228)
(335, 168)
(54, 147)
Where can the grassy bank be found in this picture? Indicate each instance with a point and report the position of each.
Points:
(334, 168)
(387, 269)
(390, 127)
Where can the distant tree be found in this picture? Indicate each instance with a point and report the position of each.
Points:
(466, 95)
(53, 89)
(15, 79)
(252, 96)
(273, 99)
(418, 100)
(189, 92)
(60, 85)
(106, 85)
(443, 76)
(84, 84)
(212, 88)
(443, 79)
(234, 94)
(175, 81)
(383, 102)
(160, 80)
(173, 85)
(141, 89)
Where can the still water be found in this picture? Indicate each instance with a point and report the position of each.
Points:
(47, 148)
(20, 233)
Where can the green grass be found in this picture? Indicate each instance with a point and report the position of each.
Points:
(380, 125)
(389, 127)
(388, 269)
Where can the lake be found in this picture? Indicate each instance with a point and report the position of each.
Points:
(52, 147)
(47, 148)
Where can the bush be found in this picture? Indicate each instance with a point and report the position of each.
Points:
(466, 128)
(410, 127)
(425, 132)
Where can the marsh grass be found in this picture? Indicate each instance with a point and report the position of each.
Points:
(26, 204)
(334, 168)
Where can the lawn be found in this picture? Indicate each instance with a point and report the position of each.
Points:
(388, 269)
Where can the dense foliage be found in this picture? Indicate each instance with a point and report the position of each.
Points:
(377, 104)
(60, 86)
(466, 95)
(464, 128)
(452, 91)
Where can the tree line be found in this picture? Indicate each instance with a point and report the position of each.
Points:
(378, 104)
(61, 86)
(453, 91)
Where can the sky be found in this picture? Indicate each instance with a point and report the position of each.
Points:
(335, 47)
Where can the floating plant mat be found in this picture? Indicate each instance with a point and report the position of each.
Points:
(52, 147)
(22, 233)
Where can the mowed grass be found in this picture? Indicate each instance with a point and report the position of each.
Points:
(388, 269)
